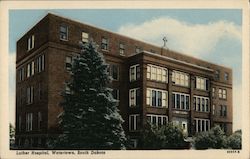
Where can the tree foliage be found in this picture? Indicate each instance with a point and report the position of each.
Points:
(234, 141)
(168, 136)
(215, 138)
(90, 119)
(12, 135)
(11, 131)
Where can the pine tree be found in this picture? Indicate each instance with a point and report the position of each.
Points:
(90, 119)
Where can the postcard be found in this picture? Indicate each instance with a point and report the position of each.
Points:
(125, 79)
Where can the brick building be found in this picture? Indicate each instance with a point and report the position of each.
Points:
(151, 83)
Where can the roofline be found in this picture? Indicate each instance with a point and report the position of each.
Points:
(147, 43)
(177, 61)
(33, 26)
(166, 49)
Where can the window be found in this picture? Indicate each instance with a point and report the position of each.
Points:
(180, 101)
(63, 32)
(181, 123)
(206, 105)
(121, 49)
(21, 74)
(31, 42)
(213, 92)
(157, 73)
(20, 123)
(28, 70)
(40, 63)
(85, 37)
(115, 94)
(201, 83)
(157, 119)
(217, 74)
(31, 69)
(134, 121)
(180, 78)
(198, 107)
(201, 104)
(134, 72)
(39, 120)
(187, 102)
(30, 95)
(68, 63)
(114, 71)
(201, 124)
(224, 94)
(220, 93)
(226, 76)
(153, 74)
(29, 120)
(157, 98)
(104, 45)
(223, 110)
(214, 109)
(134, 97)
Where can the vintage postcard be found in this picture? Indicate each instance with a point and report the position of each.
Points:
(125, 79)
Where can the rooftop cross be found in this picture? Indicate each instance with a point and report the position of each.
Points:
(165, 40)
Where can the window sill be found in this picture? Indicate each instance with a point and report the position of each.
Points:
(176, 109)
(149, 106)
(204, 90)
(178, 85)
(164, 82)
(104, 50)
(28, 50)
(64, 39)
(202, 111)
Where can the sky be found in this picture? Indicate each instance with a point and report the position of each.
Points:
(214, 35)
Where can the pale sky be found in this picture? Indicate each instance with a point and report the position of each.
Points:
(208, 34)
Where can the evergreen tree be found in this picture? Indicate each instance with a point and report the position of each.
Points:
(90, 119)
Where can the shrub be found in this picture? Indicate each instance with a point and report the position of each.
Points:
(234, 140)
(215, 138)
(164, 137)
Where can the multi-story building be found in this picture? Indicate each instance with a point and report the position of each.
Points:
(151, 83)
